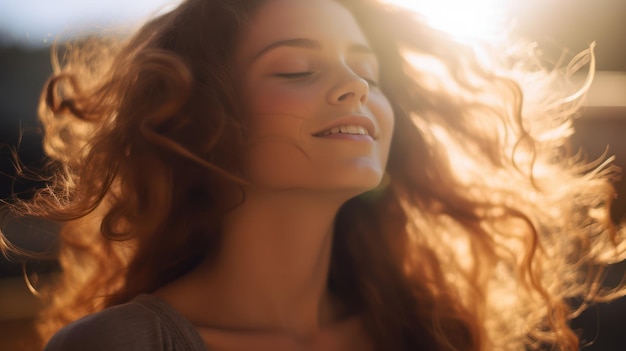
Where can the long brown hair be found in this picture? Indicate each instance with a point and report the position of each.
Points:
(483, 229)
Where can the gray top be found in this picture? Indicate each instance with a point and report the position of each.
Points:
(144, 324)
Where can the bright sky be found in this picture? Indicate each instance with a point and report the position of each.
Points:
(465, 19)
(37, 22)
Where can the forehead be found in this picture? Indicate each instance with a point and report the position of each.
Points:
(324, 20)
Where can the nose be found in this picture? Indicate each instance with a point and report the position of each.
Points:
(349, 89)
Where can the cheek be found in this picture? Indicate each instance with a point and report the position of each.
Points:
(267, 102)
(278, 130)
(278, 116)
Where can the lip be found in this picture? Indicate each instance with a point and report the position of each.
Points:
(356, 120)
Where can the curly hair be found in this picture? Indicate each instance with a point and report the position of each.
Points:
(485, 230)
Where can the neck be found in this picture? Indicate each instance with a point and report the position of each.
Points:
(272, 270)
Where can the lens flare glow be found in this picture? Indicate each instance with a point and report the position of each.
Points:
(467, 20)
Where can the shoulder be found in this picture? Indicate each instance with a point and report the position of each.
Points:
(140, 325)
(130, 326)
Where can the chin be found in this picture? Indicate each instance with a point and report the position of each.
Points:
(345, 182)
(355, 186)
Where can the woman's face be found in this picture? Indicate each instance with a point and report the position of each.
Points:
(316, 117)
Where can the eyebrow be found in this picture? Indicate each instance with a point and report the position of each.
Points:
(310, 44)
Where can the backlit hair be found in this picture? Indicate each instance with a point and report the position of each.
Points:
(486, 226)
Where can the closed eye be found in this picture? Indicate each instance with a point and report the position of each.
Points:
(300, 75)
(293, 75)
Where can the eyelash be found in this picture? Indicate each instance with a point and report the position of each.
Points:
(295, 75)
(301, 75)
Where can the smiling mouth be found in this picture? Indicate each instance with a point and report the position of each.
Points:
(344, 129)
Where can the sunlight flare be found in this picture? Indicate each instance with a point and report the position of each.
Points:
(466, 20)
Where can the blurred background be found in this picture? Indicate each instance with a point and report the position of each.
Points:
(559, 27)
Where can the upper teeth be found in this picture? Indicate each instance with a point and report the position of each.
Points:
(349, 129)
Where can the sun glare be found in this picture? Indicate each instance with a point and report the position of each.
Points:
(466, 20)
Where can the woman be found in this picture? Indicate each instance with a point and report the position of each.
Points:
(319, 175)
